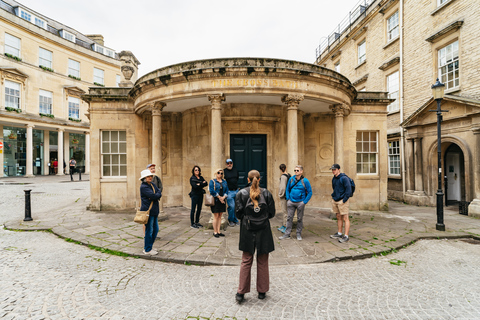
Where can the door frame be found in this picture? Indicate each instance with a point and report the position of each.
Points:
(462, 177)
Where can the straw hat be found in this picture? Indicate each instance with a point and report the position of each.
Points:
(145, 173)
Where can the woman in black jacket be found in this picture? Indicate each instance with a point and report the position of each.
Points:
(254, 206)
(198, 183)
(149, 195)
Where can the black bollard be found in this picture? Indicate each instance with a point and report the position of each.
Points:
(79, 174)
(28, 207)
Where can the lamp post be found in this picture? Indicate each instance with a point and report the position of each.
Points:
(438, 90)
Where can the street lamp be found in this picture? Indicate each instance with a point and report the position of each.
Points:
(438, 90)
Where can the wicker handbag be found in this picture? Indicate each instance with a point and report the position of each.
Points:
(142, 216)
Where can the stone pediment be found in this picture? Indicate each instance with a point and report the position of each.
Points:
(74, 91)
(458, 107)
(12, 74)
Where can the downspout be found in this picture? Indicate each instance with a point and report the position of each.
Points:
(402, 137)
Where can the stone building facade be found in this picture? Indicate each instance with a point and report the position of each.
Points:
(45, 67)
(259, 112)
(402, 47)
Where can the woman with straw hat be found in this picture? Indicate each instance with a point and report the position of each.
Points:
(149, 194)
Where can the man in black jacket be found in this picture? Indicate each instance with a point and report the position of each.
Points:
(231, 175)
(156, 180)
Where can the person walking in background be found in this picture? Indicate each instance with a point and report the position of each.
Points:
(55, 166)
(299, 192)
(72, 163)
(198, 184)
(218, 189)
(156, 180)
(149, 193)
(282, 195)
(254, 206)
(231, 176)
(342, 191)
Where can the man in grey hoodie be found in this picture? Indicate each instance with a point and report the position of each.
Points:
(281, 194)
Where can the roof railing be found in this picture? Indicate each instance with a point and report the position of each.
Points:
(356, 15)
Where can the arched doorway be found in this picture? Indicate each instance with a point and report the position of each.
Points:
(454, 164)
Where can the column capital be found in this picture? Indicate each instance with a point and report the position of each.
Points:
(61, 129)
(30, 125)
(216, 100)
(340, 110)
(292, 100)
(157, 108)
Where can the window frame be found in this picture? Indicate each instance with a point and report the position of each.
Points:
(16, 54)
(455, 62)
(70, 68)
(49, 108)
(67, 35)
(19, 97)
(364, 56)
(390, 154)
(74, 105)
(104, 153)
(40, 58)
(395, 103)
(440, 3)
(396, 28)
(95, 77)
(362, 152)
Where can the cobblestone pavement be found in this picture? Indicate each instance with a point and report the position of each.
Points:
(43, 277)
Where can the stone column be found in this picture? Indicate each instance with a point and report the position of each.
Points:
(66, 151)
(474, 207)
(29, 161)
(87, 152)
(292, 101)
(60, 152)
(410, 166)
(340, 111)
(418, 165)
(46, 152)
(2, 174)
(157, 147)
(216, 134)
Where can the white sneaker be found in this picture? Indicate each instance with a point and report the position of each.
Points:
(151, 252)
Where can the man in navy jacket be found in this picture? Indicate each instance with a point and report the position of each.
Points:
(298, 193)
(342, 191)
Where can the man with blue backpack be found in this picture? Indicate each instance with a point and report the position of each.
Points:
(298, 193)
(343, 188)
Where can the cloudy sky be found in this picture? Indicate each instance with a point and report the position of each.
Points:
(165, 32)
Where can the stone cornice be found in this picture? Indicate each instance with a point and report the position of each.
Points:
(452, 27)
(389, 63)
(361, 80)
(387, 6)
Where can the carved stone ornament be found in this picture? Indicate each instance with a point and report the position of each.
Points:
(293, 100)
(216, 99)
(128, 72)
(157, 108)
(340, 110)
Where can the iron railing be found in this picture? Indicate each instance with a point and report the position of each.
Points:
(356, 15)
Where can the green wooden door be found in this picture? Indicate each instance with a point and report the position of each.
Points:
(249, 152)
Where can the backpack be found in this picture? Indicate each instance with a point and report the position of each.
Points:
(288, 176)
(303, 183)
(352, 184)
(257, 218)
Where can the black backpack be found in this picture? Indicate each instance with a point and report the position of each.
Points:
(257, 218)
(352, 183)
(288, 176)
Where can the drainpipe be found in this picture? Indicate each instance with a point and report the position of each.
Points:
(402, 137)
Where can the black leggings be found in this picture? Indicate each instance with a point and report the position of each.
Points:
(197, 202)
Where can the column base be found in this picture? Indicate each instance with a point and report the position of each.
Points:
(418, 198)
(29, 176)
(474, 208)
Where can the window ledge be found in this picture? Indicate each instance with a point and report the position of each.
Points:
(452, 90)
(392, 41)
(113, 180)
(395, 176)
(365, 176)
(452, 27)
(393, 112)
(361, 64)
(434, 12)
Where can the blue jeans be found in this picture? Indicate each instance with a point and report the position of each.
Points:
(231, 206)
(151, 230)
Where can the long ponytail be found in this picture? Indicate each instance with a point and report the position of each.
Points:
(254, 177)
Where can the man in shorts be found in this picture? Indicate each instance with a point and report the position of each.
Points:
(342, 191)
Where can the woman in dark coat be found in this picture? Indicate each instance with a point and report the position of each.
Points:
(198, 183)
(254, 206)
(149, 194)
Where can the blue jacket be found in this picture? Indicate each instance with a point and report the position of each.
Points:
(342, 188)
(147, 196)
(214, 191)
(298, 193)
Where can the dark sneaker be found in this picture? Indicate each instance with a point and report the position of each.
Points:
(239, 297)
(231, 224)
(261, 295)
(194, 226)
(284, 237)
(199, 225)
(343, 239)
(237, 223)
(336, 236)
